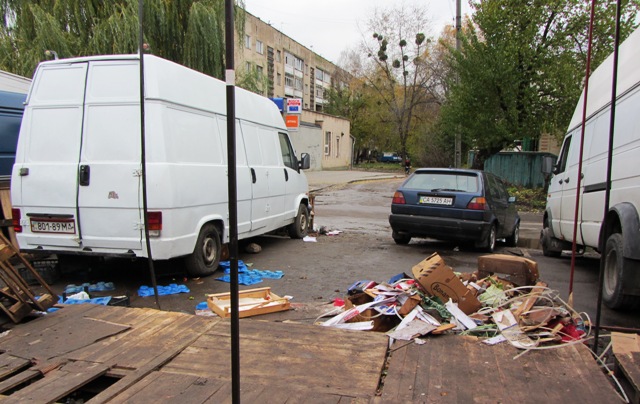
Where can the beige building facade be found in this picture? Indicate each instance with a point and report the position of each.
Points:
(288, 70)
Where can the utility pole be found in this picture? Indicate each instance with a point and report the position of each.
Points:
(458, 141)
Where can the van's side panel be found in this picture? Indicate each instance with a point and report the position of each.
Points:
(50, 153)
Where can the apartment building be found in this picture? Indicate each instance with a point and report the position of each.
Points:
(288, 69)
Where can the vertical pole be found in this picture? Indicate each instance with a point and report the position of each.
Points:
(458, 139)
(143, 153)
(233, 202)
(607, 194)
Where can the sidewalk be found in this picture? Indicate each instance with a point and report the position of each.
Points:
(530, 222)
(322, 179)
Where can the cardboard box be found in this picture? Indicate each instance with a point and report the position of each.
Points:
(438, 279)
(381, 323)
(518, 270)
(252, 302)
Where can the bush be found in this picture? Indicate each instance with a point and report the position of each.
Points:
(529, 200)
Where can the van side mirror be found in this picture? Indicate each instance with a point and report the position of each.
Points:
(305, 161)
(547, 165)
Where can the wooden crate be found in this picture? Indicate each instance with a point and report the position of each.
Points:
(252, 302)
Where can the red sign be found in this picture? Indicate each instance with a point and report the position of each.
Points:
(292, 121)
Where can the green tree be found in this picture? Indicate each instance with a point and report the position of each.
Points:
(521, 68)
(185, 31)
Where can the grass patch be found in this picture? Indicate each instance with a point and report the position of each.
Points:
(382, 167)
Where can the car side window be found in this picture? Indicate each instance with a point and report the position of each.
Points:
(495, 189)
(564, 154)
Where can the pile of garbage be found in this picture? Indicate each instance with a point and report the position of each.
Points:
(502, 301)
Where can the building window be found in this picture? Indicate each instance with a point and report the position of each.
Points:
(319, 74)
(247, 66)
(337, 146)
(278, 56)
(298, 84)
(259, 47)
(259, 70)
(327, 143)
(279, 79)
(247, 41)
(289, 59)
(299, 64)
(288, 80)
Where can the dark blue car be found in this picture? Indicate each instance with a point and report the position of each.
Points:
(454, 204)
(11, 109)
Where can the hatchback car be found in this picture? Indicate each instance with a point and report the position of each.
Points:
(454, 204)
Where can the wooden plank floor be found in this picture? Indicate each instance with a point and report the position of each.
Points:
(144, 355)
(452, 369)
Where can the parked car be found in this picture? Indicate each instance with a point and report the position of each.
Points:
(388, 157)
(454, 204)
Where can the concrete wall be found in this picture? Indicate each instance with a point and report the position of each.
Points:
(308, 139)
(337, 152)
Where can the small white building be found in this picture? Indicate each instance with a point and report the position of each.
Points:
(14, 83)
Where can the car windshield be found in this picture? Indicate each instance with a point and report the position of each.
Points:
(433, 181)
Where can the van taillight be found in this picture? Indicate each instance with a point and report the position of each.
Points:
(15, 220)
(477, 203)
(154, 220)
(398, 198)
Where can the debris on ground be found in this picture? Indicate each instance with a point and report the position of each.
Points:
(253, 248)
(171, 289)
(251, 302)
(502, 301)
(247, 276)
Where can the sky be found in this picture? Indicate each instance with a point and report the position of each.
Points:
(330, 26)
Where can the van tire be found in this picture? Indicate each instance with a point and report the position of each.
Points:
(300, 226)
(512, 240)
(206, 254)
(614, 271)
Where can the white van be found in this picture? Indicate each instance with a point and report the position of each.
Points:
(621, 237)
(76, 183)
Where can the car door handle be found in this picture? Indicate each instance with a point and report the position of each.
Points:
(85, 175)
(286, 174)
(566, 180)
(253, 176)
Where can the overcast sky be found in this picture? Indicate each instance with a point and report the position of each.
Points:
(330, 26)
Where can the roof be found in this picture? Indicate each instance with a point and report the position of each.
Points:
(600, 81)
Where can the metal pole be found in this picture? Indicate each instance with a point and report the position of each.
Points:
(607, 194)
(458, 138)
(143, 153)
(233, 203)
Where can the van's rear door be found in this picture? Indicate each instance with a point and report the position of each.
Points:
(79, 181)
(109, 169)
(45, 189)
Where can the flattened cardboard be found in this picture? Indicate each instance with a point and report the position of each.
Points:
(518, 270)
(438, 279)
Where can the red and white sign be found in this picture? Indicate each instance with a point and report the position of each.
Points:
(294, 105)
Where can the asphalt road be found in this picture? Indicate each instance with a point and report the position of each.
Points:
(317, 272)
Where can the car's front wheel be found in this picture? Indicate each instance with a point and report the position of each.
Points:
(299, 227)
(615, 267)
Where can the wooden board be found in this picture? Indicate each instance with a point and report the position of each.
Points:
(5, 201)
(289, 356)
(60, 382)
(626, 349)
(453, 369)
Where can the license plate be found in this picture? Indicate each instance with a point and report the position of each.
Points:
(436, 200)
(53, 226)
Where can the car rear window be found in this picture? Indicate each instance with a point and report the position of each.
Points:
(431, 181)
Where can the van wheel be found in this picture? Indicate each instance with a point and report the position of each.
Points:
(614, 269)
(512, 240)
(545, 241)
(490, 241)
(299, 227)
(206, 254)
